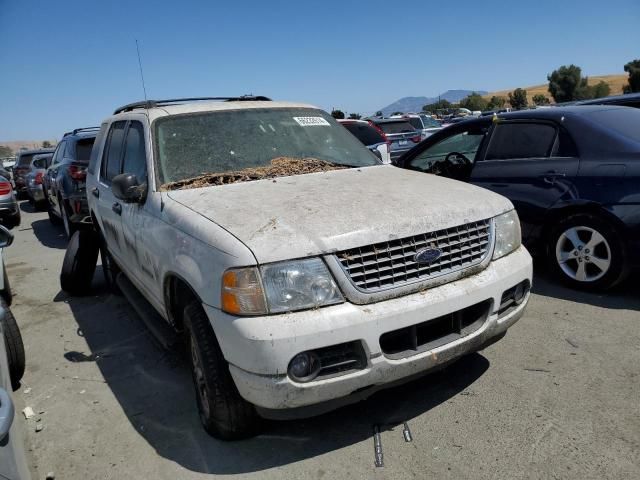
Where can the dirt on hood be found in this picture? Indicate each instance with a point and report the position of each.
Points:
(280, 167)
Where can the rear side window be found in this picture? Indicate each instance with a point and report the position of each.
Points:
(396, 127)
(621, 120)
(365, 133)
(40, 163)
(83, 149)
(113, 151)
(135, 159)
(521, 140)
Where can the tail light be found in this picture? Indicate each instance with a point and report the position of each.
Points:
(77, 173)
(417, 138)
(38, 179)
(5, 188)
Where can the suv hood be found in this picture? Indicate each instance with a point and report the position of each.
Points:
(318, 213)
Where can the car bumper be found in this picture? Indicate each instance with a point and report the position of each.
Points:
(8, 208)
(259, 349)
(36, 193)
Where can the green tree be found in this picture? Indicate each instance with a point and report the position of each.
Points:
(46, 144)
(355, 116)
(439, 105)
(599, 90)
(496, 103)
(518, 99)
(5, 151)
(540, 99)
(474, 102)
(337, 113)
(567, 84)
(633, 69)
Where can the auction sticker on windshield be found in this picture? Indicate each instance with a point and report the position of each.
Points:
(311, 121)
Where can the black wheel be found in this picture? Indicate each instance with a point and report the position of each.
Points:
(53, 218)
(69, 227)
(223, 412)
(587, 253)
(110, 268)
(14, 345)
(79, 263)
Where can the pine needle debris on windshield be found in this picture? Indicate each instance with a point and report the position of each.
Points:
(280, 167)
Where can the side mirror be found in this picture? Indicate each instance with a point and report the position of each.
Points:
(6, 237)
(127, 188)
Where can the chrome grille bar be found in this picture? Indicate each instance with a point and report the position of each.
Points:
(392, 264)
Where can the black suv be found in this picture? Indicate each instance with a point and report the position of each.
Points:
(573, 174)
(64, 181)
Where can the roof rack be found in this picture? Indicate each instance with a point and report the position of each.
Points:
(159, 103)
(80, 130)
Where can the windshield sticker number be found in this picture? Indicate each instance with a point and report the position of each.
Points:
(311, 121)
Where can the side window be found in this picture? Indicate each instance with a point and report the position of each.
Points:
(564, 145)
(113, 152)
(521, 140)
(451, 157)
(57, 155)
(135, 159)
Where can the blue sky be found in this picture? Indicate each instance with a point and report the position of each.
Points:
(67, 64)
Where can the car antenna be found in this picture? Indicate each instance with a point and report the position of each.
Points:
(144, 89)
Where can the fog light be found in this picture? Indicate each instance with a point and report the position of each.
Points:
(304, 367)
(521, 292)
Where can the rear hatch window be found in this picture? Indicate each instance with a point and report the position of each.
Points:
(364, 132)
(396, 127)
(415, 123)
(83, 149)
(25, 160)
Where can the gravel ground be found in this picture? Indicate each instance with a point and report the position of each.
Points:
(558, 397)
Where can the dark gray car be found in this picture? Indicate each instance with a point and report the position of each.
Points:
(22, 167)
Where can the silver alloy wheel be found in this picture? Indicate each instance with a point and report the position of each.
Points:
(198, 375)
(583, 254)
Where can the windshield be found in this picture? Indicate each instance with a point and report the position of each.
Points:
(429, 122)
(232, 141)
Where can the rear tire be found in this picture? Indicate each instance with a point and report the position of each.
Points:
(587, 253)
(79, 263)
(53, 218)
(14, 345)
(223, 412)
(69, 228)
(110, 269)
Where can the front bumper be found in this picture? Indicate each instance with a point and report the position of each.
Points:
(259, 349)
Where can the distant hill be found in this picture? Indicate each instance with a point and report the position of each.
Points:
(16, 145)
(415, 104)
(615, 82)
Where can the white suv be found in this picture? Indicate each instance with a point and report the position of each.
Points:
(303, 273)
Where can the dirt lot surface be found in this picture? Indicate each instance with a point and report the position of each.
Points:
(558, 397)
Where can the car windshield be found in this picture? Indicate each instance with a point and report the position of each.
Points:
(430, 122)
(246, 144)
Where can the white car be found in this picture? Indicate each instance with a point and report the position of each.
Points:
(425, 123)
(303, 273)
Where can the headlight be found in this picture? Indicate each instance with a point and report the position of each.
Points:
(280, 287)
(508, 235)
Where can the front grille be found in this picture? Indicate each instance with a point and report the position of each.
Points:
(391, 264)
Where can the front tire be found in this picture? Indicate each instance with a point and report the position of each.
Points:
(79, 263)
(223, 412)
(14, 345)
(587, 253)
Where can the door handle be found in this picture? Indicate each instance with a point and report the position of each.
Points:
(95, 192)
(116, 207)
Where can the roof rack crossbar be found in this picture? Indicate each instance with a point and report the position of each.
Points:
(80, 130)
(159, 103)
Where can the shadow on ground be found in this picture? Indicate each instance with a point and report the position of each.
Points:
(49, 235)
(155, 392)
(623, 296)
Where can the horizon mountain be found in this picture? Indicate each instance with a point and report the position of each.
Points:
(415, 104)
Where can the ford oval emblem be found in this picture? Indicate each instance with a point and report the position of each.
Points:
(427, 255)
